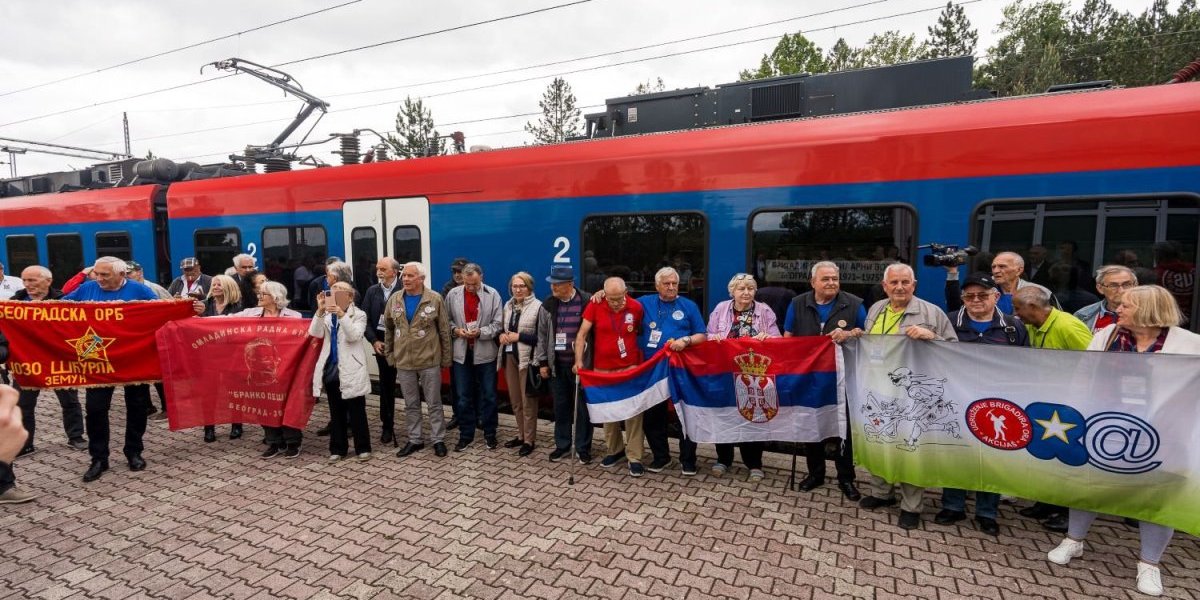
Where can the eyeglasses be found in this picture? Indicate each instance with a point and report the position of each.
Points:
(977, 296)
(519, 286)
(1118, 286)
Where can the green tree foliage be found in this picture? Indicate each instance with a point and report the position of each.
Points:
(415, 134)
(889, 48)
(952, 35)
(649, 87)
(1028, 56)
(793, 54)
(842, 57)
(560, 117)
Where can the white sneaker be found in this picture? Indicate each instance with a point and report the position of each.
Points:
(1149, 580)
(1065, 551)
(757, 475)
(364, 456)
(335, 457)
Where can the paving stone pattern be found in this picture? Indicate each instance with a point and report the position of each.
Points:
(216, 521)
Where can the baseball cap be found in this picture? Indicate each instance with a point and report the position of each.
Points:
(983, 280)
(188, 263)
(133, 265)
(458, 264)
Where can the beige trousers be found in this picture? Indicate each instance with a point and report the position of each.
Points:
(524, 409)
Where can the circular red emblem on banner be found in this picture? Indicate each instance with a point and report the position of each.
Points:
(999, 423)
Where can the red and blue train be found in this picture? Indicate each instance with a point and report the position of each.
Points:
(1088, 175)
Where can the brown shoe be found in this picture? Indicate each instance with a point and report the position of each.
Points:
(16, 496)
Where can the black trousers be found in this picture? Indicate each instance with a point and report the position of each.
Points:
(752, 453)
(814, 455)
(72, 412)
(356, 410)
(654, 424)
(7, 478)
(162, 395)
(284, 437)
(387, 394)
(98, 401)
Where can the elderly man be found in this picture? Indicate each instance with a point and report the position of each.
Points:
(244, 264)
(9, 285)
(616, 324)
(827, 310)
(417, 344)
(1007, 268)
(137, 274)
(1038, 269)
(192, 282)
(110, 284)
(668, 321)
(559, 319)
(475, 321)
(387, 269)
(1111, 282)
(36, 280)
(979, 321)
(902, 313)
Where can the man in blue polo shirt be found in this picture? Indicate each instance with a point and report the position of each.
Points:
(668, 320)
(109, 284)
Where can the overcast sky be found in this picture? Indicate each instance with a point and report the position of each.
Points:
(47, 41)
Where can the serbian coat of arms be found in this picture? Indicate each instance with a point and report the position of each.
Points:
(757, 397)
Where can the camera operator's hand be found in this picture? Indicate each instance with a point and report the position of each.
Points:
(951, 272)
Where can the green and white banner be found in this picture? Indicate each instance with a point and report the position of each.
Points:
(1115, 433)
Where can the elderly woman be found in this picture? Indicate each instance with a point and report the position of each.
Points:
(273, 302)
(1147, 321)
(342, 369)
(516, 350)
(224, 298)
(741, 317)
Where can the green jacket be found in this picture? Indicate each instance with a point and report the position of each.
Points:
(425, 342)
(1061, 331)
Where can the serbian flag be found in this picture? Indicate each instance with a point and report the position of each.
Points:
(238, 370)
(746, 390)
(61, 344)
(615, 397)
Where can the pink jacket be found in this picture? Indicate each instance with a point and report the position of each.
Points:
(721, 319)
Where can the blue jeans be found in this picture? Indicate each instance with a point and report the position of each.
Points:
(475, 397)
(987, 504)
(562, 387)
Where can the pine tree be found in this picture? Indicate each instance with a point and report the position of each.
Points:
(952, 35)
(889, 48)
(560, 118)
(793, 54)
(842, 57)
(415, 134)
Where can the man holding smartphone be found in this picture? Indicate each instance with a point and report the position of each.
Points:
(475, 318)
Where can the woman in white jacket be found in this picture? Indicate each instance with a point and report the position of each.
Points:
(1147, 321)
(516, 349)
(342, 369)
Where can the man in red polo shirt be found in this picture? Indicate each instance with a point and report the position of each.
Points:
(616, 323)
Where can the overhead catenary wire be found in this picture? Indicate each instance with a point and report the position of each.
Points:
(179, 49)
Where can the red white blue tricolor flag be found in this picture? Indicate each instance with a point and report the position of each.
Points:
(733, 390)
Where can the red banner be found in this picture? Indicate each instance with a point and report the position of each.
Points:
(238, 370)
(60, 344)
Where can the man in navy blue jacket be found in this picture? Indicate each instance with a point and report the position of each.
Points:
(374, 301)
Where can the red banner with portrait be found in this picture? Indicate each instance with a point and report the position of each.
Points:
(238, 370)
(61, 344)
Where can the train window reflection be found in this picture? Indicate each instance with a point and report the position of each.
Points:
(635, 246)
(291, 255)
(406, 244)
(215, 249)
(114, 243)
(65, 254)
(22, 252)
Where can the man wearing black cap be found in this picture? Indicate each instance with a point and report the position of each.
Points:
(980, 321)
(558, 324)
(192, 282)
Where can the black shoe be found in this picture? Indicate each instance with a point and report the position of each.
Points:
(514, 443)
(559, 453)
(585, 457)
(1039, 511)
(26, 451)
(94, 472)
(688, 468)
(909, 520)
(1057, 523)
(987, 525)
(235, 431)
(210, 434)
(526, 450)
(452, 423)
(871, 502)
(658, 464)
(409, 448)
(387, 437)
(137, 463)
(611, 460)
(1132, 522)
(439, 449)
(810, 483)
(489, 443)
(324, 431)
(291, 451)
(78, 443)
(849, 490)
(271, 451)
(462, 445)
(949, 517)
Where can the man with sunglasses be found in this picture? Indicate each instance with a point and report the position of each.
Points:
(1111, 282)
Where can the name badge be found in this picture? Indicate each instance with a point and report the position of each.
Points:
(621, 347)
(560, 342)
(677, 315)
(472, 325)
(508, 347)
(655, 338)
(381, 324)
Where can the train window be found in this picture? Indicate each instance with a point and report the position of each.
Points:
(114, 243)
(364, 252)
(635, 246)
(290, 255)
(215, 249)
(22, 252)
(863, 241)
(1064, 241)
(65, 254)
(406, 244)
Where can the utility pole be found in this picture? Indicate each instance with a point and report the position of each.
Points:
(125, 119)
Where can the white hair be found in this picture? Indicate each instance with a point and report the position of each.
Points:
(277, 291)
(241, 257)
(118, 265)
(740, 277)
(41, 271)
(1107, 270)
(663, 273)
(419, 266)
(898, 267)
(340, 271)
(825, 264)
(1020, 262)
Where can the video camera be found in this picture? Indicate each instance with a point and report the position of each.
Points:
(946, 255)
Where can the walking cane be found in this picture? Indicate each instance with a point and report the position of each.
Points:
(574, 415)
(792, 479)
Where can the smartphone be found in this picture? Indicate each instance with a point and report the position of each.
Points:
(330, 303)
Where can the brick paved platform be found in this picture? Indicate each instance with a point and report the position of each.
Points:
(214, 520)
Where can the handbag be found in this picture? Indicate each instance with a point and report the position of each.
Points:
(535, 384)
